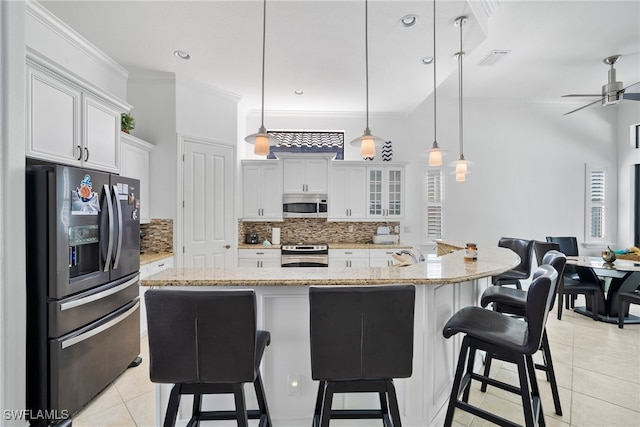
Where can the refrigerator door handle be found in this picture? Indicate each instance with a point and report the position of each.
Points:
(107, 260)
(91, 298)
(79, 338)
(116, 197)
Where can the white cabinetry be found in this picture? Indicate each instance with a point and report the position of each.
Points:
(385, 192)
(347, 192)
(262, 190)
(381, 257)
(134, 163)
(348, 257)
(69, 125)
(257, 258)
(147, 270)
(308, 175)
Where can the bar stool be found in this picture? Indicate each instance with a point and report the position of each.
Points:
(508, 338)
(513, 301)
(206, 342)
(524, 249)
(361, 339)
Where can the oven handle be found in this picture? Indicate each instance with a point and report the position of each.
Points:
(107, 260)
(99, 295)
(292, 259)
(82, 337)
(116, 197)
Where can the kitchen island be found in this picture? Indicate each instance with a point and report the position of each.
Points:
(444, 285)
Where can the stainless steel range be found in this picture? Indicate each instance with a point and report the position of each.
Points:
(305, 255)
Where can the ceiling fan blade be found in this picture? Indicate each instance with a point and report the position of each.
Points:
(584, 106)
(581, 94)
(636, 83)
(631, 96)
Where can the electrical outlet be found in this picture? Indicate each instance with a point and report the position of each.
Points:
(294, 384)
(268, 229)
(351, 229)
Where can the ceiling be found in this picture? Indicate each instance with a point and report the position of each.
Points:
(557, 47)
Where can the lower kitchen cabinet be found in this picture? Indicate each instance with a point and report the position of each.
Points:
(348, 258)
(147, 270)
(381, 257)
(259, 258)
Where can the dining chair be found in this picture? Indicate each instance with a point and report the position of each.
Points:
(587, 284)
(569, 247)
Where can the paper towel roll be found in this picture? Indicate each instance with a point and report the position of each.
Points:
(275, 236)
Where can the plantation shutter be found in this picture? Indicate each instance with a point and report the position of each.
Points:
(434, 203)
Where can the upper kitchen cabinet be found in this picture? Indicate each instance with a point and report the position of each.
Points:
(305, 175)
(385, 192)
(66, 124)
(134, 163)
(261, 190)
(347, 192)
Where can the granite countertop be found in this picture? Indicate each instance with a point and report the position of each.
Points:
(260, 246)
(152, 256)
(451, 268)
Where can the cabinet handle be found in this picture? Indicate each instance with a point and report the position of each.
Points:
(349, 253)
(79, 153)
(86, 152)
(161, 265)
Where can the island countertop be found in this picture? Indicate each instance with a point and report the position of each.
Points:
(450, 268)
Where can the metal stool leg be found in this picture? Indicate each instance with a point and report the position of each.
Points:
(172, 407)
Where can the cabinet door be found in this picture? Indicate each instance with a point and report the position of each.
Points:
(251, 191)
(339, 202)
(134, 163)
(394, 193)
(380, 258)
(271, 192)
(375, 187)
(357, 185)
(53, 120)
(316, 176)
(385, 192)
(101, 135)
(294, 176)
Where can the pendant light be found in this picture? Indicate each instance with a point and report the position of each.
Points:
(367, 142)
(262, 140)
(435, 153)
(461, 164)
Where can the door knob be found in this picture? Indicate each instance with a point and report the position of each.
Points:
(227, 246)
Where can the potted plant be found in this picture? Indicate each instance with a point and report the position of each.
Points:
(127, 122)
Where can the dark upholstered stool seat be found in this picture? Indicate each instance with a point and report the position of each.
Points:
(361, 339)
(513, 301)
(524, 249)
(587, 284)
(508, 338)
(626, 298)
(206, 342)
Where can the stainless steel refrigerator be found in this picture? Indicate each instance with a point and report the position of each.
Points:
(83, 257)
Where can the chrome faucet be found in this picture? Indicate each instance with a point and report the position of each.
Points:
(414, 258)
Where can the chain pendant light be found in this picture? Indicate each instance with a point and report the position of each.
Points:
(262, 140)
(367, 142)
(461, 164)
(435, 153)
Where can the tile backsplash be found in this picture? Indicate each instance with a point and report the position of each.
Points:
(158, 236)
(314, 230)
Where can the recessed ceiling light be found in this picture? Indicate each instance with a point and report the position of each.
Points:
(409, 20)
(181, 54)
(298, 92)
(427, 60)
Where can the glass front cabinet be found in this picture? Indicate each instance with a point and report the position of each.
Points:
(385, 192)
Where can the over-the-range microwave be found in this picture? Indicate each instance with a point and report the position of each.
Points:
(304, 206)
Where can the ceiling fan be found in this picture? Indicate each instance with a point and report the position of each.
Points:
(613, 92)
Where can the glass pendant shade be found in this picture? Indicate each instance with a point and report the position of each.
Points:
(367, 144)
(435, 155)
(261, 141)
(460, 177)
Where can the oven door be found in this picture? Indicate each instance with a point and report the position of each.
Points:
(305, 260)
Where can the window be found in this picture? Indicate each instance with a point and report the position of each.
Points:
(434, 207)
(596, 204)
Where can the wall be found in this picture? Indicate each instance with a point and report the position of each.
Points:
(628, 157)
(12, 226)
(529, 167)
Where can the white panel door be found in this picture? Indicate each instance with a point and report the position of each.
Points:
(208, 204)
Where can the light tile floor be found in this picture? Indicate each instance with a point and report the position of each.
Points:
(597, 367)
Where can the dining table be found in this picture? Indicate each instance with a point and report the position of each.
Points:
(619, 276)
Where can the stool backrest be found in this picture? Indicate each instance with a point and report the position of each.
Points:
(541, 248)
(568, 245)
(540, 296)
(558, 261)
(524, 249)
(201, 336)
(361, 332)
